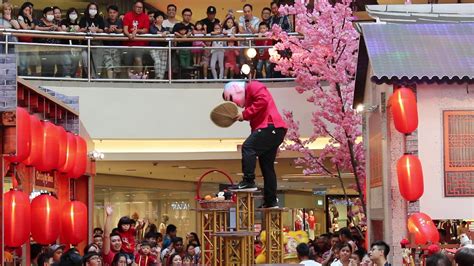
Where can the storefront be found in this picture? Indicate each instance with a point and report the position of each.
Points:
(46, 171)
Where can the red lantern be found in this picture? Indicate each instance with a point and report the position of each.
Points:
(70, 154)
(62, 141)
(410, 177)
(404, 110)
(423, 228)
(17, 218)
(80, 164)
(50, 152)
(74, 222)
(23, 136)
(45, 209)
(36, 142)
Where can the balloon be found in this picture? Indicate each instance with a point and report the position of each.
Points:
(46, 210)
(22, 136)
(17, 218)
(404, 110)
(423, 228)
(410, 177)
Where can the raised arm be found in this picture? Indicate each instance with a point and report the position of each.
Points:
(107, 228)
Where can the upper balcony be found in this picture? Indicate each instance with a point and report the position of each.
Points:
(102, 57)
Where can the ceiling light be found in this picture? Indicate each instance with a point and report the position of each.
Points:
(306, 182)
(275, 162)
(239, 11)
(240, 174)
(182, 167)
(298, 166)
(285, 179)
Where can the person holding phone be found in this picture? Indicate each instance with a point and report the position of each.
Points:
(248, 23)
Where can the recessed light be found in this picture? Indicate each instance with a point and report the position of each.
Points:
(298, 166)
(182, 167)
(333, 186)
(306, 182)
(285, 179)
(239, 11)
(275, 162)
(240, 174)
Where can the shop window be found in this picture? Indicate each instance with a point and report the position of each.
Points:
(458, 129)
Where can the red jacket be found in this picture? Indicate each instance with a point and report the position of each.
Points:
(260, 109)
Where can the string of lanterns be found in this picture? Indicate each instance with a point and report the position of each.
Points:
(47, 147)
(409, 169)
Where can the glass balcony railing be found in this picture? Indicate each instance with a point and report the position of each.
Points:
(101, 57)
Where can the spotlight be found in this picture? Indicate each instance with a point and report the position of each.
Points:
(245, 69)
(251, 53)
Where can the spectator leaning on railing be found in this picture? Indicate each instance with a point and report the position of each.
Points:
(135, 22)
(160, 57)
(28, 56)
(266, 14)
(112, 56)
(171, 14)
(210, 20)
(183, 30)
(49, 57)
(92, 22)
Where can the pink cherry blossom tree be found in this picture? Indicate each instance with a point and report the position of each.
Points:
(323, 61)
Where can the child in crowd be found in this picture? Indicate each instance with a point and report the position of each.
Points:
(230, 59)
(127, 231)
(230, 27)
(263, 56)
(188, 261)
(144, 256)
(217, 54)
(198, 31)
(206, 60)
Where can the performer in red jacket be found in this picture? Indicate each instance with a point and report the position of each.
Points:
(268, 132)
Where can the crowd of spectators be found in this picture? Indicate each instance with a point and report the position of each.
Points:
(117, 62)
(132, 242)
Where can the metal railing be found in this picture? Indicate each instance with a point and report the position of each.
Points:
(84, 57)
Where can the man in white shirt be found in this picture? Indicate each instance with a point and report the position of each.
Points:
(171, 13)
(248, 23)
(303, 255)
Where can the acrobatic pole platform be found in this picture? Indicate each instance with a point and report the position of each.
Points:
(273, 225)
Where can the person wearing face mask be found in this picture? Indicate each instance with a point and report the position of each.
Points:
(268, 132)
(92, 22)
(49, 57)
(72, 58)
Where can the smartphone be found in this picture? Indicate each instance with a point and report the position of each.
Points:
(247, 21)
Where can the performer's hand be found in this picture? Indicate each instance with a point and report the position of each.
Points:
(239, 117)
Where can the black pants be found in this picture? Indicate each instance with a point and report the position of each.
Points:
(263, 143)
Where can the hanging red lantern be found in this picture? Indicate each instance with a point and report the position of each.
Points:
(45, 209)
(62, 141)
(70, 154)
(22, 136)
(50, 151)
(410, 177)
(74, 222)
(17, 218)
(423, 228)
(80, 164)
(36, 142)
(404, 110)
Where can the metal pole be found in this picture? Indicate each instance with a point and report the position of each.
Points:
(170, 69)
(6, 41)
(89, 59)
(251, 61)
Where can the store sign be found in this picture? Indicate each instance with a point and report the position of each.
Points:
(319, 191)
(180, 205)
(44, 180)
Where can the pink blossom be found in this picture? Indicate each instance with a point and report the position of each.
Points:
(323, 63)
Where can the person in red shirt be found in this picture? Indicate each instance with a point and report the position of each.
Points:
(263, 56)
(268, 132)
(135, 22)
(112, 241)
(127, 232)
(144, 256)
